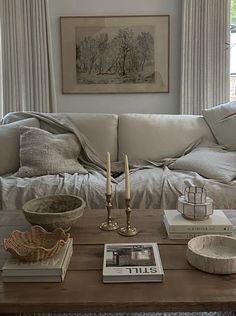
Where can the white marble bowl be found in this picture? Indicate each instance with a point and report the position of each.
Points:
(52, 211)
(213, 254)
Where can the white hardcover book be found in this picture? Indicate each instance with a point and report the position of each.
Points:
(55, 266)
(134, 262)
(216, 223)
(38, 279)
(191, 235)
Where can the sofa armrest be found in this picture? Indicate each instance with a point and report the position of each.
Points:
(10, 144)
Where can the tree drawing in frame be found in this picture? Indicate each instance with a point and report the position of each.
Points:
(115, 54)
(119, 55)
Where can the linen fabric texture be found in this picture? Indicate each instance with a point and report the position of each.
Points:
(222, 121)
(42, 153)
(210, 161)
(10, 144)
(168, 135)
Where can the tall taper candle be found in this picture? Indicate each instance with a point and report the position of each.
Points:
(108, 187)
(127, 183)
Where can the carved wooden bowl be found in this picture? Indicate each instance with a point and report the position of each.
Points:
(213, 253)
(36, 244)
(52, 211)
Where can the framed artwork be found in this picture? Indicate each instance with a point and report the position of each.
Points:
(115, 54)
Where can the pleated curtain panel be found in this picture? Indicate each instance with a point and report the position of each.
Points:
(27, 61)
(205, 55)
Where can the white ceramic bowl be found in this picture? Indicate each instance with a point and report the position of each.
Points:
(213, 253)
(52, 211)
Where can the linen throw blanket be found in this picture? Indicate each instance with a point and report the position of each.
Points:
(152, 187)
(62, 124)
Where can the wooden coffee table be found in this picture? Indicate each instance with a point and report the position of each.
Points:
(184, 288)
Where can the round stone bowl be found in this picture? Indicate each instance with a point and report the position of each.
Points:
(213, 253)
(53, 211)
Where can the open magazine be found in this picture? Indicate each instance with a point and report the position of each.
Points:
(136, 262)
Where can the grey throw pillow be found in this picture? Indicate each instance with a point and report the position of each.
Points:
(210, 161)
(222, 122)
(44, 153)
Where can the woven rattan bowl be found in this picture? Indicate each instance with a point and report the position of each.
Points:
(54, 211)
(36, 244)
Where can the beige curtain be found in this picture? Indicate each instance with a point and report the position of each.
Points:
(205, 62)
(27, 65)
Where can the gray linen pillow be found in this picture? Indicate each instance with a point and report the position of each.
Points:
(44, 153)
(210, 161)
(222, 122)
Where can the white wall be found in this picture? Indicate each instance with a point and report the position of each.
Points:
(119, 103)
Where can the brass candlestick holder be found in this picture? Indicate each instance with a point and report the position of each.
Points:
(128, 230)
(109, 224)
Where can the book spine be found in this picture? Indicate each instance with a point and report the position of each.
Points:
(198, 228)
(202, 229)
(192, 235)
(32, 278)
(67, 262)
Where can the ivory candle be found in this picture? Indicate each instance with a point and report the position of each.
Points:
(108, 186)
(127, 183)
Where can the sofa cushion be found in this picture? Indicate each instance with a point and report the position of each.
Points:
(222, 121)
(10, 144)
(100, 130)
(210, 161)
(43, 153)
(158, 136)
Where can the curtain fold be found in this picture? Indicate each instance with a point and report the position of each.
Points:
(205, 59)
(27, 62)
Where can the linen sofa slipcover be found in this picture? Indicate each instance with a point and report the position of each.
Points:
(146, 138)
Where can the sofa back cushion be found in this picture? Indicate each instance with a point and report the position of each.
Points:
(158, 136)
(100, 130)
(10, 144)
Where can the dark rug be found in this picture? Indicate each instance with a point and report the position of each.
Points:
(130, 314)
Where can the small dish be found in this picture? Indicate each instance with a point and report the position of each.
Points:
(36, 244)
(213, 253)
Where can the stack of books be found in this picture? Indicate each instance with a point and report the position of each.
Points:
(178, 227)
(135, 262)
(50, 270)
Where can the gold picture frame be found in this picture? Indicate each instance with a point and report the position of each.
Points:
(115, 54)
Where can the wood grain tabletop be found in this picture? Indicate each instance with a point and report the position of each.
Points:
(184, 288)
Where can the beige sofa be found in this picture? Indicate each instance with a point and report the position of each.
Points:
(143, 137)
